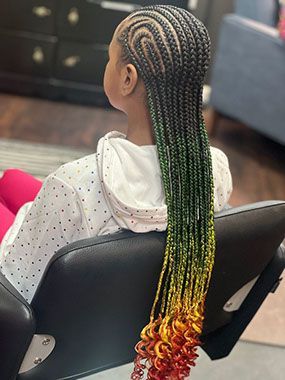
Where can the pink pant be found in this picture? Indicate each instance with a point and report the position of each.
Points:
(16, 188)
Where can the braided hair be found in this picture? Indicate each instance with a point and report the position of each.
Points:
(171, 50)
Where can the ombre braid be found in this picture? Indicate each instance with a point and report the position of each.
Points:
(170, 49)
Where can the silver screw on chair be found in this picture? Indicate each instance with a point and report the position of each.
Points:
(37, 360)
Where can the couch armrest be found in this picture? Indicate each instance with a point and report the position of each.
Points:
(17, 327)
(248, 75)
(258, 27)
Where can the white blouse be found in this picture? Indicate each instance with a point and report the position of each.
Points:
(119, 187)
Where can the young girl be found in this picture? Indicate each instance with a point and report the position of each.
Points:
(161, 176)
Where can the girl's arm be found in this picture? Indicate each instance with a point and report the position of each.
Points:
(53, 220)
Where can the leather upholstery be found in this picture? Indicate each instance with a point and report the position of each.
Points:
(17, 327)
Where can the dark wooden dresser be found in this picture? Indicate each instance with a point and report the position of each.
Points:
(58, 48)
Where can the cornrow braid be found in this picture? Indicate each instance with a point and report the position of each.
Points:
(171, 50)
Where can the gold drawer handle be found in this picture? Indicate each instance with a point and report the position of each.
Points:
(73, 16)
(119, 6)
(71, 61)
(192, 4)
(41, 12)
(38, 55)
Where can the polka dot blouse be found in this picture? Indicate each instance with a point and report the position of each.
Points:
(98, 194)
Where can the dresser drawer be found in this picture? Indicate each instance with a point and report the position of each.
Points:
(91, 20)
(23, 54)
(30, 15)
(81, 62)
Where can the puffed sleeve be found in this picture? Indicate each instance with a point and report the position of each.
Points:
(51, 221)
(223, 185)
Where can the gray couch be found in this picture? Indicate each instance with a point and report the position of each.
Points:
(248, 80)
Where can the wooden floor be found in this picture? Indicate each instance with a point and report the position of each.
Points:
(257, 163)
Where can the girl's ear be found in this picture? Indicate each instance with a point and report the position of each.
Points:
(129, 79)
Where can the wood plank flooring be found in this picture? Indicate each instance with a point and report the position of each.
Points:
(257, 163)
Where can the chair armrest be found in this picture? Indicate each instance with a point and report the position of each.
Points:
(17, 327)
(219, 344)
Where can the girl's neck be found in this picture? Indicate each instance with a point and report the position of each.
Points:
(140, 130)
(140, 136)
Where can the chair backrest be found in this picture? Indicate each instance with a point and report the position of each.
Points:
(96, 294)
(265, 11)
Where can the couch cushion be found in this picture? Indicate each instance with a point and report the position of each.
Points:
(265, 11)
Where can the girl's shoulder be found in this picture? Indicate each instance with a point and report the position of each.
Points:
(218, 156)
(75, 172)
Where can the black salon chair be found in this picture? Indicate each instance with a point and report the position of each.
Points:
(97, 293)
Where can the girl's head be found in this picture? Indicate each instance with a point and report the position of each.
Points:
(159, 56)
(158, 43)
